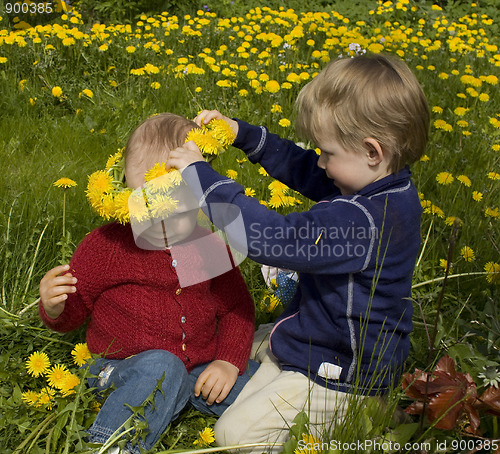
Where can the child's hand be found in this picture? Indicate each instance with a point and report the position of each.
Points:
(54, 290)
(206, 116)
(215, 382)
(183, 156)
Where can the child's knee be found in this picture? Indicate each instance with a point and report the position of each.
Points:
(159, 363)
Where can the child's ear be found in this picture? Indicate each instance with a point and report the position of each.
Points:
(374, 153)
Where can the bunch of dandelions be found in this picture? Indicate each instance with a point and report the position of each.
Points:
(60, 381)
(212, 139)
(109, 196)
(65, 242)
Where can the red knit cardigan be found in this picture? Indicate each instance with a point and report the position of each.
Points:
(133, 299)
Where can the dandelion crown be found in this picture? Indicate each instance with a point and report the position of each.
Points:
(110, 197)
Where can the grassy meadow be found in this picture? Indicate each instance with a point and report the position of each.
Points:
(72, 90)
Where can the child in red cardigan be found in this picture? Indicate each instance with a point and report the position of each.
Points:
(195, 340)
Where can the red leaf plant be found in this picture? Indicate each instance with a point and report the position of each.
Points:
(449, 397)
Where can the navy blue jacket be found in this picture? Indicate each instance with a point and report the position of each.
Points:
(347, 327)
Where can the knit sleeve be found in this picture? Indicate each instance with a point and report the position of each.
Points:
(236, 318)
(88, 265)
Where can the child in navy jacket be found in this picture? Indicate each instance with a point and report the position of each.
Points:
(346, 331)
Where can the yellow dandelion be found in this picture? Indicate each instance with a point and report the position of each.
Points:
(269, 302)
(310, 444)
(88, 93)
(121, 213)
(222, 132)
(276, 108)
(137, 206)
(37, 363)
(68, 383)
(114, 159)
(249, 192)
(465, 180)
(205, 437)
(460, 111)
(492, 212)
(156, 171)
(161, 205)
(100, 182)
(230, 173)
(444, 178)
(55, 375)
(493, 270)
(57, 92)
(468, 254)
(46, 397)
(477, 196)
(443, 263)
(65, 183)
(278, 187)
(284, 122)
(80, 354)
(272, 86)
(207, 143)
(30, 397)
(493, 176)
(437, 109)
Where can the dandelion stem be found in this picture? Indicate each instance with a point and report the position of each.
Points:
(450, 276)
(37, 431)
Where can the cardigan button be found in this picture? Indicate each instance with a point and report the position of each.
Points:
(183, 319)
(178, 291)
(184, 347)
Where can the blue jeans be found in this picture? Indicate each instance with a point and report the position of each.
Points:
(134, 380)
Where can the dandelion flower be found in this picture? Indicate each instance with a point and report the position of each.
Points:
(99, 181)
(493, 270)
(68, 383)
(30, 397)
(444, 178)
(65, 183)
(230, 173)
(207, 143)
(249, 192)
(222, 132)
(205, 437)
(477, 196)
(121, 212)
(270, 302)
(114, 159)
(88, 93)
(272, 86)
(37, 363)
(46, 397)
(284, 122)
(80, 354)
(158, 170)
(465, 180)
(468, 254)
(494, 176)
(57, 92)
(55, 375)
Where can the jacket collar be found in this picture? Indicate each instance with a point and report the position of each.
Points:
(389, 182)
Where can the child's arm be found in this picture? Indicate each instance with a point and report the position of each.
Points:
(283, 159)
(54, 289)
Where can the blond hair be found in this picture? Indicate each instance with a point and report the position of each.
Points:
(367, 96)
(151, 141)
